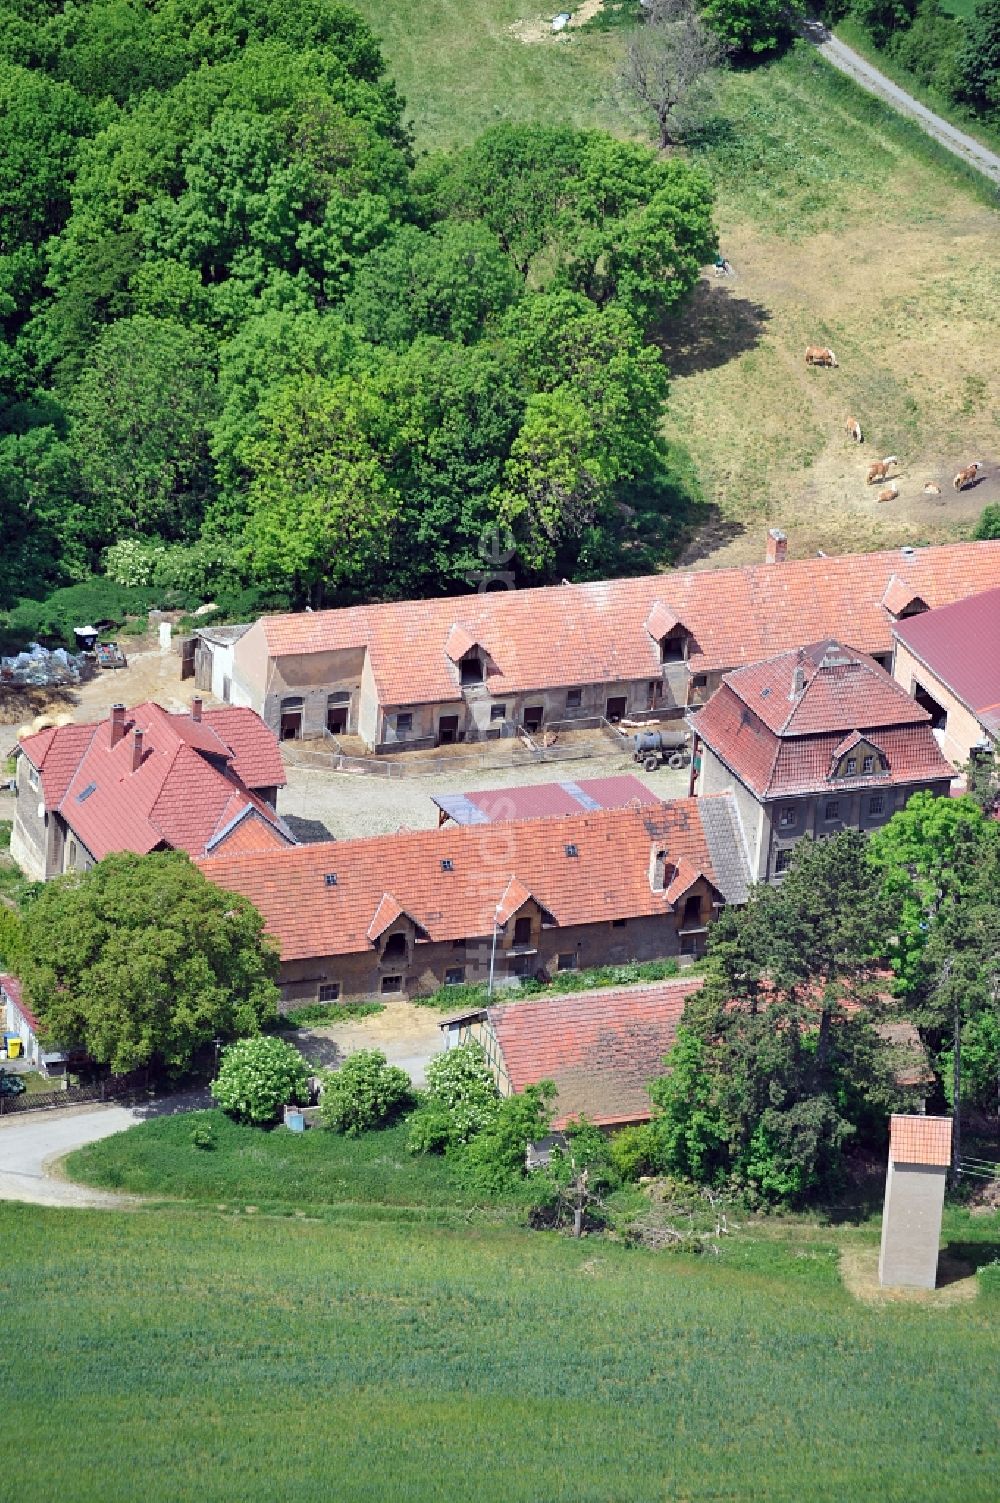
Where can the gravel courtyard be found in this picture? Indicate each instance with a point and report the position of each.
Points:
(351, 803)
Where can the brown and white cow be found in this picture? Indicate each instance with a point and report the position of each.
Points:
(889, 493)
(879, 471)
(967, 476)
(930, 489)
(818, 354)
(854, 430)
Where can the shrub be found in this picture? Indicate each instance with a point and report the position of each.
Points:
(258, 1077)
(98, 599)
(987, 529)
(495, 1159)
(203, 1136)
(132, 562)
(364, 1093)
(634, 1151)
(329, 1012)
(460, 1091)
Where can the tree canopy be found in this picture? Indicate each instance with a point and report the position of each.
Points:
(142, 960)
(218, 251)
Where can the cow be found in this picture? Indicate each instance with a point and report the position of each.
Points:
(930, 489)
(854, 430)
(879, 471)
(967, 476)
(818, 354)
(889, 493)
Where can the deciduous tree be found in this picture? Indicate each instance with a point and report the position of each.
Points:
(669, 62)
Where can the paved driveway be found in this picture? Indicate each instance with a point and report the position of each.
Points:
(32, 1141)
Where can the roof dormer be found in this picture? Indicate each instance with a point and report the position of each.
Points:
(901, 599)
(467, 654)
(858, 757)
(669, 633)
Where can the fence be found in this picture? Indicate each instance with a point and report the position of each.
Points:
(127, 1088)
(487, 755)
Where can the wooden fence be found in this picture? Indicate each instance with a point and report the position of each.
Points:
(122, 1088)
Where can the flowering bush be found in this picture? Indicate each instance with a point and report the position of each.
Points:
(258, 1077)
(365, 1092)
(132, 562)
(462, 1098)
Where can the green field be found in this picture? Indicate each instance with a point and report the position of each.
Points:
(209, 1350)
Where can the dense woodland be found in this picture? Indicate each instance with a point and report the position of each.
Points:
(948, 45)
(256, 348)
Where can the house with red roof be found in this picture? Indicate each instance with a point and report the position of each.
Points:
(949, 660)
(404, 914)
(421, 673)
(147, 780)
(811, 742)
(600, 1048)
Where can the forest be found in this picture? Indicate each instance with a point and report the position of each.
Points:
(257, 349)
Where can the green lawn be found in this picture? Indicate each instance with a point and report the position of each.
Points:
(185, 1354)
(268, 1169)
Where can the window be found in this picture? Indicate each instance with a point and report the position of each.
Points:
(832, 810)
(330, 878)
(691, 918)
(404, 723)
(567, 962)
(71, 855)
(868, 764)
(788, 816)
(699, 681)
(574, 699)
(572, 850)
(447, 865)
(454, 975)
(522, 932)
(673, 648)
(392, 984)
(329, 991)
(618, 923)
(521, 965)
(471, 669)
(852, 766)
(783, 860)
(395, 946)
(498, 712)
(876, 804)
(32, 776)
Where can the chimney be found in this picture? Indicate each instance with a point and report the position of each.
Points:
(137, 739)
(196, 707)
(777, 546)
(657, 869)
(117, 723)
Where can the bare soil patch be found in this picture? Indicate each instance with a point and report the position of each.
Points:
(859, 1271)
(540, 27)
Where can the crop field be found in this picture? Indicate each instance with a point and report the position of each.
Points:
(845, 227)
(198, 1350)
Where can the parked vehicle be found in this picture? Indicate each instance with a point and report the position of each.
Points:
(110, 655)
(654, 748)
(11, 1085)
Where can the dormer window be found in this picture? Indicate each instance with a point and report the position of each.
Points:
(868, 764)
(851, 767)
(395, 946)
(471, 669)
(674, 646)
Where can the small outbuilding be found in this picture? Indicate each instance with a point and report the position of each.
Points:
(919, 1159)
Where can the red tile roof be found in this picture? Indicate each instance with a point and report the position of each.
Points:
(920, 1140)
(11, 987)
(597, 633)
(605, 875)
(539, 800)
(782, 725)
(960, 644)
(187, 792)
(601, 1048)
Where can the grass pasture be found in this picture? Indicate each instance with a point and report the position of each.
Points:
(181, 1353)
(846, 226)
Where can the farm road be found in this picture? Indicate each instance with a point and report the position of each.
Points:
(32, 1142)
(855, 66)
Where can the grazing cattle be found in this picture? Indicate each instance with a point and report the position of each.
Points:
(818, 354)
(879, 471)
(967, 476)
(854, 430)
(890, 493)
(930, 489)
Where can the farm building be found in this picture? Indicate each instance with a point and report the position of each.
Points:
(949, 660)
(145, 780)
(919, 1159)
(424, 673)
(600, 1048)
(811, 742)
(540, 800)
(404, 914)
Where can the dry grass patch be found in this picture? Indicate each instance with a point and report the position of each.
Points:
(957, 1283)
